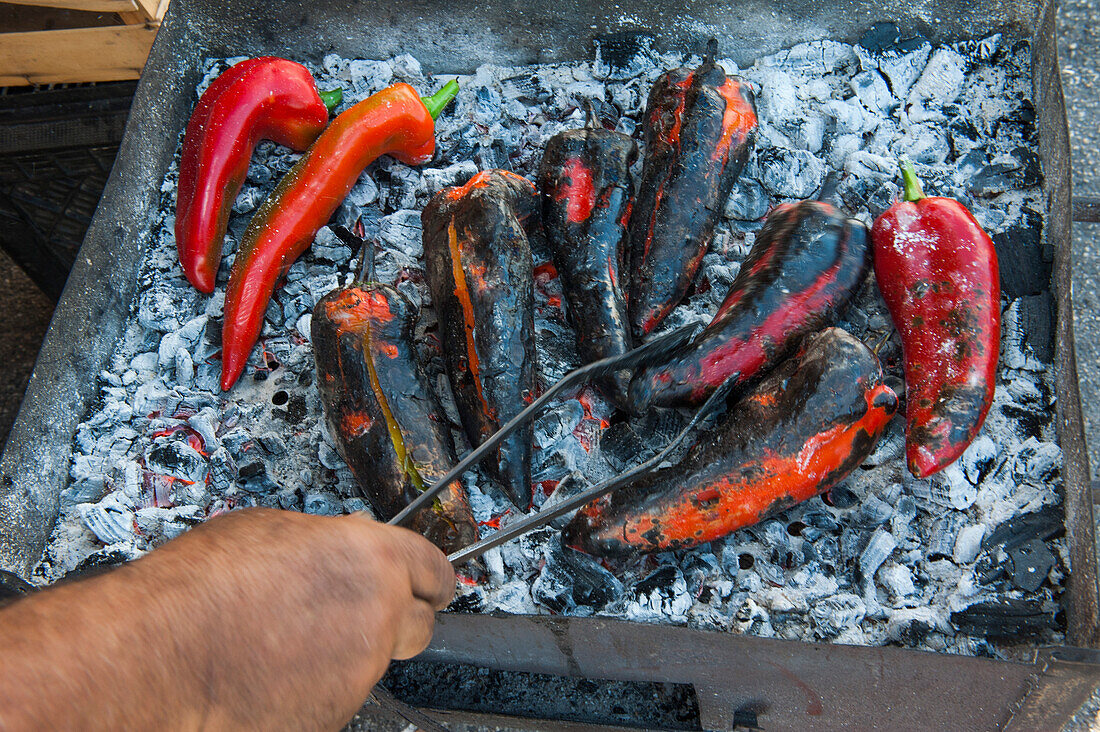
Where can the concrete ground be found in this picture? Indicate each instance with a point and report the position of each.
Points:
(26, 314)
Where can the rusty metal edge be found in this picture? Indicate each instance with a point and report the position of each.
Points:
(1083, 600)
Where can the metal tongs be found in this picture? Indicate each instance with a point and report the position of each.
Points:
(655, 349)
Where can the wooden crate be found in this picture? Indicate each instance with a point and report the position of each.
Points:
(97, 53)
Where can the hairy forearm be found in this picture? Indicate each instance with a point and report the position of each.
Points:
(107, 652)
(265, 619)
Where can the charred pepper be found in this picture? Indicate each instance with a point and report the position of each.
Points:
(700, 126)
(479, 270)
(938, 272)
(395, 121)
(805, 265)
(796, 434)
(264, 98)
(381, 409)
(587, 194)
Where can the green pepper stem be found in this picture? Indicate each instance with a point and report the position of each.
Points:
(436, 102)
(331, 98)
(913, 190)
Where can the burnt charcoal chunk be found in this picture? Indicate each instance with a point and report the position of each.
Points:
(840, 497)
(881, 37)
(571, 579)
(1024, 268)
(1008, 619)
(1037, 323)
(1031, 563)
(1045, 524)
(660, 579)
(470, 603)
(618, 50)
(1024, 172)
(12, 585)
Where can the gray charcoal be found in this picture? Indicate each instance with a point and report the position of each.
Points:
(812, 57)
(568, 456)
(89, 490)
(556, 423)
(401, 231)
(1008, 618)
(272, 443)
(910, 626)
(223, 470)
(891, 446)
(111, 524)
(939, 84)
(1021, 169)
(184, 367)
(791, 173)
(980, 49)
(832, 615)
(809, 134)
(170, 343)
(437, 179)
(961, 493)
(901, 523)
(778, 97)
(879, 548)
(873, 91)
(570, 579)
(874, 511)
(945, 530)
(248, 199)
(902, 70)
(329, 457)
(897, 580)
(1024, 267)
(968, 543)
(406, 68)
(1027, 334)
(323, 504)
(923, 144)
(176, 458)
(623, 55)
(329, 247)
(1031, 563)
(748, 202)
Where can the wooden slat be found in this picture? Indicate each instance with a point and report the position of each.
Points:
(94, 6)
(110, 53)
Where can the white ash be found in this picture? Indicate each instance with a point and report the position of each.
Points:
(883, 558)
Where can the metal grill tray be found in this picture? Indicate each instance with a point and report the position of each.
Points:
(847, 685)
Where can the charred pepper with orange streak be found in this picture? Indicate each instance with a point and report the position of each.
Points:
(479, 269)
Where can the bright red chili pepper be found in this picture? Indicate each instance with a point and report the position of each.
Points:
(937, 270)
(797, 433)
(264, 98)
(395, 121)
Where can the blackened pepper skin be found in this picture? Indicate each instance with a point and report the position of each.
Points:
(587, 193)
(479, 269)
(797, 433)
(382, 410)
(805, 265)
(700, 127)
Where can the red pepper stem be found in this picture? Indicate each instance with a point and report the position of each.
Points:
(913, 190)
(436, 102)
(331, 98)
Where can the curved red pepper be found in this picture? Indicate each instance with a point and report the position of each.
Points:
(937, 270)
(805, 265)
(797, 433)
(396, 122)
(700, 127)
(264, 98)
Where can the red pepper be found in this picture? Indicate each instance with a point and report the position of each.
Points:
(937, 270)
(383, 412)
(264, 98)
(700, 127)
(796, 434)
(587, 193)
(805, 265)
(396, 122)
(477, 262)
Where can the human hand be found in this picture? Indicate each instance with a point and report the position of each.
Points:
(258, 618)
